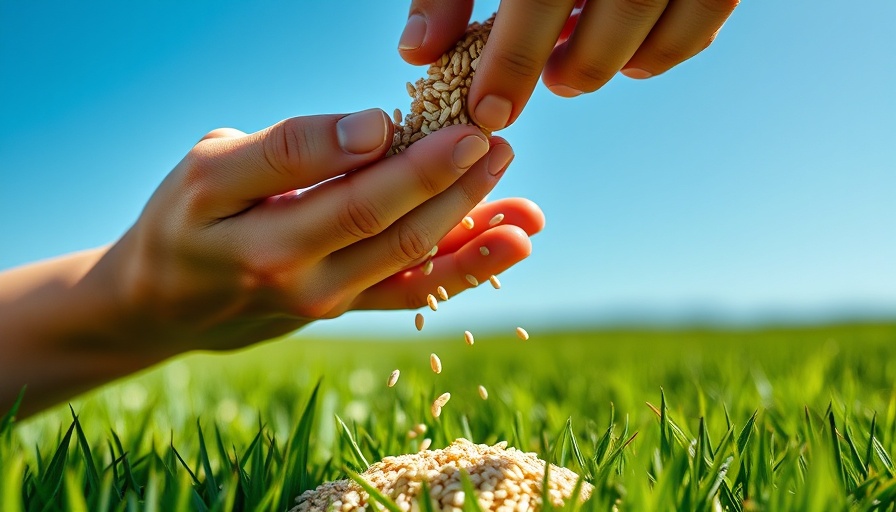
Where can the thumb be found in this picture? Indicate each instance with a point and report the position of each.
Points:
(295, 153)
(433, 28)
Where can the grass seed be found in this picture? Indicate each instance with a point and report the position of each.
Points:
(418, 321)
(435, 363)
(471, 279)
(393, 378)
(442, 293)
(443, 399)
(425, 444)
(427, 267)
(468, 337)
(468, 222)
(495, 283)
(497, 219)
(484, 251)
(432, 302)
(483, 393)
(522, 334)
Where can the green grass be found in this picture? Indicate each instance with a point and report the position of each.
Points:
(786, 419)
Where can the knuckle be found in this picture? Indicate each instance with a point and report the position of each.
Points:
(360, 218)
(518, 63)
(427, 180)
(639, 10)
(670, 55)
(412, 242)
(287, 145)
(591, 75)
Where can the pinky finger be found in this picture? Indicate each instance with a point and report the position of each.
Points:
(686, 28)
(456, 271)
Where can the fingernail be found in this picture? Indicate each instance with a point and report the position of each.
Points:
(564, 90)
(414, 33)
(636, 73)
(499, 158)
(493, 112)
(469, 150)
(362, 132)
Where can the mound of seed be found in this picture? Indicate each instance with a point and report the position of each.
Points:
(440, 99)
(505, 480)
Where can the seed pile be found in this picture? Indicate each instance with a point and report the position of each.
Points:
(505, 480)
(440, 99)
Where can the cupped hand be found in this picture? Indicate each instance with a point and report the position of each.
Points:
(255, 235)
(577, 46)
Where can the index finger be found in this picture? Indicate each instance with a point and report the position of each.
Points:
(522, 38)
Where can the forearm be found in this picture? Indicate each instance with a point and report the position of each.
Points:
(62, 324)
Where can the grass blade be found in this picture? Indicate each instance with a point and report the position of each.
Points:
(471, 503)
(297, 479)
(355, 449)
(372, 491)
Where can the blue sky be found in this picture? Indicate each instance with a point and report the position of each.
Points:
(756, 181)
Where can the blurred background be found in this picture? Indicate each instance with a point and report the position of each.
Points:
(755, 183)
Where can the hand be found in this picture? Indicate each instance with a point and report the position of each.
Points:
(576, 45)
(227, 253)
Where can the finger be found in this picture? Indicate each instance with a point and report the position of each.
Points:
(521, 40)
(516, 211)
(366, 202)
(408, 289)
(433, 27)
(686, 28)
(222, 133)
(295, 153)
(607, 34)
(369, 261)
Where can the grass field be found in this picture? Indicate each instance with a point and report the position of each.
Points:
(776, 419)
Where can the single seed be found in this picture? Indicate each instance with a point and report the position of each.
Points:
(472, 280)
(435, 249)
(427, 267)
(393, 378)
(412, 434)
(443, 399)
(484, 251)
(396, 116)
(444, 116)
(440, 86)
(495, 283)
(410, 87)
(443, 293)
(425, 444)
(483, 393)
(522, 334)
(432, 302)
(468, 337)
(420, 428)
(468, 222)
(435, 363)
(455, 107)
(418, 321)
(436, 410)
(496, 219)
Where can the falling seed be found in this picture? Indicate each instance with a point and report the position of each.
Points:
(522, 334)
(496, 219)
(495, 283)
(442, 292)
(427, 267)
(435, 249)
(472, 280)
(468, 337)
(484, 251)
(412, 434)
(436, 410)
(425, 444)
(396, 116)
(483, 393)
(432, 302)
(393, 378)
(420, 428)
(435, 363)
(418, 321)
(443, 399)
(468, 222)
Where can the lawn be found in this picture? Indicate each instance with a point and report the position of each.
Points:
(771, 419)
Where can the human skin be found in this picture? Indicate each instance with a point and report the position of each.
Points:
(576, 46)
(227, 253)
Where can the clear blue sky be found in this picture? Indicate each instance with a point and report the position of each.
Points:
(757, 180)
